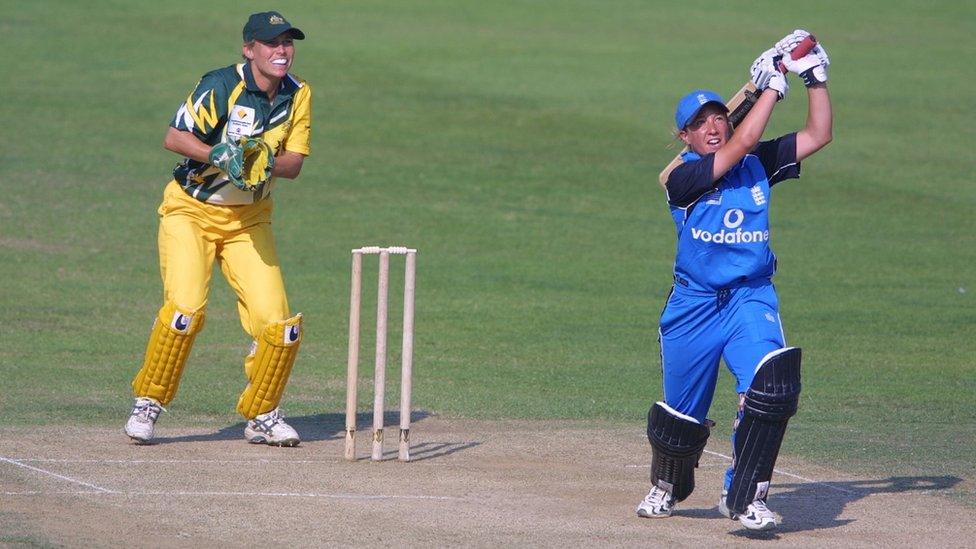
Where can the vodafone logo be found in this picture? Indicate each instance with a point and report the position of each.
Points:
(733, 218)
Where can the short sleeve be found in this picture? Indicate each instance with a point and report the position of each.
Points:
(778, 157)
(689, 181)
(300, 135)
(205, 109)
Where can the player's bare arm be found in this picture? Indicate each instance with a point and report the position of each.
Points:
(288, 164)
(818, 131)
(186, 144)
(812, 70)
(746, 136)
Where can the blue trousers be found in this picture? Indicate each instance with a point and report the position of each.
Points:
(740, 325)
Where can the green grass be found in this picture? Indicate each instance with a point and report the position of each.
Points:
(516, 144)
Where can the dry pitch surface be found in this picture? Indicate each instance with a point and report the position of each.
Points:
(471, 483)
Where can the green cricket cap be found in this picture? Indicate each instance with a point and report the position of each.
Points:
(267, 25)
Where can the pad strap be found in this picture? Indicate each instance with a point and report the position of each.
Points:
(170, 341)
(272, 363)
(677, 443)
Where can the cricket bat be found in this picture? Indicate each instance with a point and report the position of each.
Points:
(740, 104)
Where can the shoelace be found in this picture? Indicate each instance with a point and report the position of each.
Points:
(657, 494)
(268, 423)
(147, 410)
(760, 507)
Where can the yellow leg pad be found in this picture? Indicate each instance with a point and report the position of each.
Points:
(270, 367)
(170, 341)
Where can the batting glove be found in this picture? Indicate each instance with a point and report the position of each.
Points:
(810, 67)
(228, 158)
(765, 73)
(791, 41)
(805, 67)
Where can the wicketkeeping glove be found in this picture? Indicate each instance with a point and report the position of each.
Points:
(228, 158)
(259, 161)
(765, 73)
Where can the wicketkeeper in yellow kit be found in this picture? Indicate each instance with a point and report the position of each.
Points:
(242, 127)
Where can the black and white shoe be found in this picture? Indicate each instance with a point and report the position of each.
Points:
(658, 503)
(756, 517)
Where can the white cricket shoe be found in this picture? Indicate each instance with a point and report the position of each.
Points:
(756, 517)
(658, 503)
(270, 428)
(723, 507)
(142, 420)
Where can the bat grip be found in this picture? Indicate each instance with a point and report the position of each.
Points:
(800, 50)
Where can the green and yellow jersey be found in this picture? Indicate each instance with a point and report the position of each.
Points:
(227, 105)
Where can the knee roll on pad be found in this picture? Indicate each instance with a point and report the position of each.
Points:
(775, 390)
(169, 344)
(770, 402)
(677, 444)
(271, 365)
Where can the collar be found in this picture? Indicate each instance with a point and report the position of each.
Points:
(286, 88)
(690, 156)
(248, 76)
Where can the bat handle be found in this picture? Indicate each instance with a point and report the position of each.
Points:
(800, 50)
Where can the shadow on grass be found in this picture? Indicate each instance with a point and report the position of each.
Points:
(819, 505)
(320, 427)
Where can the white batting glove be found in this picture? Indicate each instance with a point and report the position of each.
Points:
(821, 54)
(811, 67)
(805, 67)
(790, 41)
(765, 74)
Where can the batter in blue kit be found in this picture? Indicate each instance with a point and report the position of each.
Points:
(723, 302)
(723, 305)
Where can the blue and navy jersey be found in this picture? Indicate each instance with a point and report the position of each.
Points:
(723, 226)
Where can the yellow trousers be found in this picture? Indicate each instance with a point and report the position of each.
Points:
(192, 236)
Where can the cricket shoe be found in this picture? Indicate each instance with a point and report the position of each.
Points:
(142, 420)
(658, 503)
(756, 517)
(270, 428)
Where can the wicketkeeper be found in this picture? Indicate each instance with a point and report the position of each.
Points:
(723, 304)
(240, 129)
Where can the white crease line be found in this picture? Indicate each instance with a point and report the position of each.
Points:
(778, 471)
(55, 475)
(54, 493)
(298, 495)
(781, 472)
(236, 494)
(141, 461)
